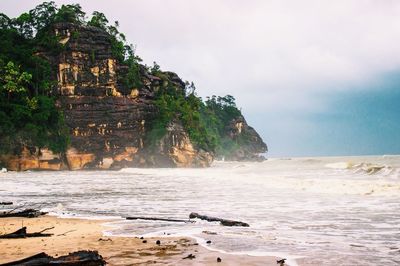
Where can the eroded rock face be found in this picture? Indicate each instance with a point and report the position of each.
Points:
(34, 159)
(251, 145)
(86, 67)
(176, 150)
(108, 121)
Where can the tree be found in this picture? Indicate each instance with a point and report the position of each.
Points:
(5, 22)
(13, 81)
(155, 68)
(43, 15)
(190, 88)
(24, 25)
(70, 13)
(98, 20)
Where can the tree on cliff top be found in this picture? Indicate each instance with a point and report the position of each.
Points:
(70, 13)
(98, 20)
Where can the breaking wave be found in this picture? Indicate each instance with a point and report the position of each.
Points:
(367, 169)
(325, 210)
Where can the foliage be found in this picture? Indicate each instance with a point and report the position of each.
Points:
(206, 122)
(155, 69)
(217, 115)
(132, 78)
(43, 16)
(98, 20)
(70, 13)
(124, 53)
(28, 115)
(27, 120)
(12, 81)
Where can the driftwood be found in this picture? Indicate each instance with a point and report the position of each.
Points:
(21, 233)
(192, 216)
(215, 219)
(79, 258)
(27, 213)
(65, 233)
(281, 262)
(158, 219)
(190, 256)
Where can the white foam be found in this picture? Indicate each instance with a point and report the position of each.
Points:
(290, 259)
(339, 165)
(308, 207)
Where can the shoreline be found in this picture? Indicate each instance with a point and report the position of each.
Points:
(73, 234)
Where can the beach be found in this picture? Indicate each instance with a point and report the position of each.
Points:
(71, 235)
(229, 133)
(311, 211)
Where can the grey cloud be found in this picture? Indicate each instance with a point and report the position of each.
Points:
(271, 55)
(259, 46)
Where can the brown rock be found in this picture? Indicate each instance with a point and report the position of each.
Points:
(109, 121)
(76, 160)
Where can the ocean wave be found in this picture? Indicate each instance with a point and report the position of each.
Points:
(371, 169)
(367, 169)
(339, 165)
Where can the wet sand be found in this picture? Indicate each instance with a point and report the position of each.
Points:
(77, 234)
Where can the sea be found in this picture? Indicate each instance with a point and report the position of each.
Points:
(311, 211)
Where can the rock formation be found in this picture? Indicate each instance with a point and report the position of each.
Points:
(176, 149)
(250, 144)
(108, 121)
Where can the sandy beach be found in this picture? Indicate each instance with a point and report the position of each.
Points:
(77, 234)
(325, 215)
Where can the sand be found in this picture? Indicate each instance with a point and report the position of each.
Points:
(78, 234)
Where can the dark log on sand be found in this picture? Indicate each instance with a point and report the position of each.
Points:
(215, 219)
(281, 262)
(6, 203)
(27, 213)
(158, 219)
(190, 256)
(21, 233)
(79, 258)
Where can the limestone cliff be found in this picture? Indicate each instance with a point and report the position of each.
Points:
(176, 149)
(108, 121)
(250, 144)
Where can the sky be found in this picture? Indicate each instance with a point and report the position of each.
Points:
(314, 78)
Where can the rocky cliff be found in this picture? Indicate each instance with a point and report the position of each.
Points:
(250, 144)
(108, 121)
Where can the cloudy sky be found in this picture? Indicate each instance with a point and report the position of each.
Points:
(315, 78)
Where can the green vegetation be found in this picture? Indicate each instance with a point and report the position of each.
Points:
(205, 121)
(27, 120)
(124, 53)
(29, 117)
(218, 114)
